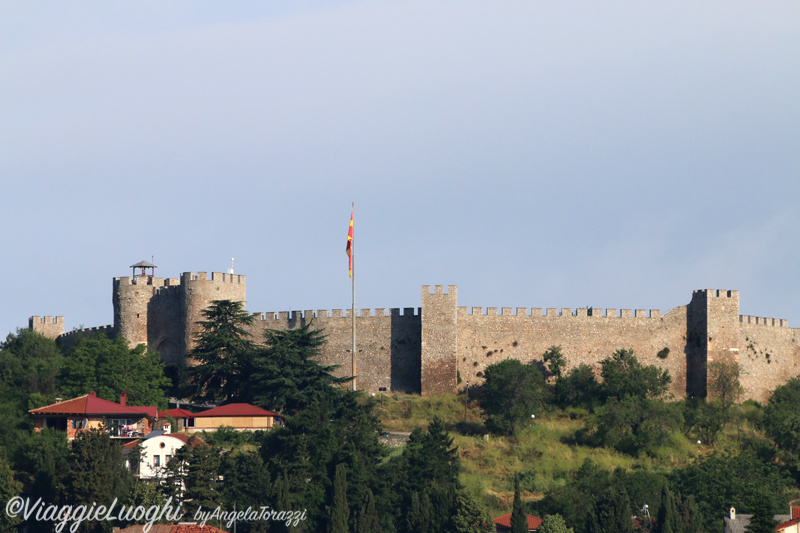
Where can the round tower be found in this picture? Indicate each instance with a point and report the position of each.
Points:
(132, 297)
(199, 291)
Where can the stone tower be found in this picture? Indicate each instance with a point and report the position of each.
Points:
(439, 337)
(712, 334)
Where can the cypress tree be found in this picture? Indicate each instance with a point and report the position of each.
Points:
(667, 521)
(519, 520)
(612, 512)
(340, 512)
(368, 521)
(688, 515)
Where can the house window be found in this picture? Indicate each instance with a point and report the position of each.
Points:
(156, 460)
(167, 459)
(190, 422)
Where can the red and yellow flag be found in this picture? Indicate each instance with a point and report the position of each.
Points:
(349, 248)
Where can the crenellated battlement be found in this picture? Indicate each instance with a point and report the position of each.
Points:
(564, 312)
(716, 293)
(426, 349)
(439, 289)
(145, 280)
(220, 277)
(325, 314)
(761, 321)
(47, 319)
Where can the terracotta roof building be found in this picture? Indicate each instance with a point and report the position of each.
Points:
(90, 412)
(503, 523)
(240, 416)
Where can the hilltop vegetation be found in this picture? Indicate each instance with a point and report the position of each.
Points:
(575, 446)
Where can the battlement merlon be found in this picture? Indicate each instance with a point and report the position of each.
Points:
(48, 326)
(215, 276)
(147, 280)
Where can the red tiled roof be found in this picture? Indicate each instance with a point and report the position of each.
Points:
(795, 511)
(183, 437)
(130, 445)
(789, 523)
(237, 409)
(90, 404)
(505, 521)
(176, 413)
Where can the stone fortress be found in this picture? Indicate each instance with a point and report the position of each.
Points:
(440, 346)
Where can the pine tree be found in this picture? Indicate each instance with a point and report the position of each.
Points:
(519, 519)
(340, 511)
(667, 521)
(368, 521)
(763, 520)
(612, 512)
(223, 350)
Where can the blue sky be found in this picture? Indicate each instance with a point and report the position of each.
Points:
(536, 154)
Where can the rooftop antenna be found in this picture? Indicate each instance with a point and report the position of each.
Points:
(230, 270)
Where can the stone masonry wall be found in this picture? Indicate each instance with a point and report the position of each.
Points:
(387, 343)
(486, 336)
(48, 326)
(424, 350)
(439, 339)
(769, 354)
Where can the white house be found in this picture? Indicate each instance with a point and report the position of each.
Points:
(158, 449)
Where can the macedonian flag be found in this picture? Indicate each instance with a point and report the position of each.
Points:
(349, 248)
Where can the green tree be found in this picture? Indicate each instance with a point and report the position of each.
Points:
(429, 468)
(579, 387)
(623, 375)
(763, 520)
(368, 520)
(689, 515)
(634, 425)
(667, 520)
(782, 422)
(223, 351)
(418, 519)
(718, 481)
(285, 374)
(511, 393)
(9, 488)
(96, 473)
(471, 517)
(612, 512)
(339, 428)
(554, 523)
(109, 367)
(519, 518)
(555, 360)
(340, 510)
(29, 364)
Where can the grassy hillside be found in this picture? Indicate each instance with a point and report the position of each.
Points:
(544, 453)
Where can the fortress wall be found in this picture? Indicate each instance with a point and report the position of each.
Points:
(164, 325)
(48, 326)
(130, 299)
(199, 290)
(439, 340)
(67, 340)
(769, 355)
(387, 343)
(488, 336)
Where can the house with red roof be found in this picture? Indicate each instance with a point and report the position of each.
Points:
(90, 412)
(184, 418)
(503, 523)
(240, 416)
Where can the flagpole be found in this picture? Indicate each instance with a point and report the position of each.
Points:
(353, 312)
